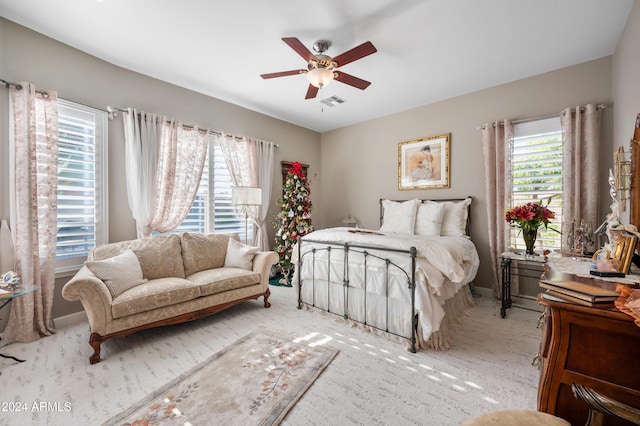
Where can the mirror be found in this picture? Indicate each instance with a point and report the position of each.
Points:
(622, 173)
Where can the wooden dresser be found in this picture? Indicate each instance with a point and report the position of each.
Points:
(599, 348)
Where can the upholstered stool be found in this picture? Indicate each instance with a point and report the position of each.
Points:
(515, 418)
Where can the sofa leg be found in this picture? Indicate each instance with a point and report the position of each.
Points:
(266, 298)
(95, 340)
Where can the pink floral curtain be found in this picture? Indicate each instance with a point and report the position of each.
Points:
(581, 145)
(34, 172)
(241, 157)
(183, 151)
(497, 143)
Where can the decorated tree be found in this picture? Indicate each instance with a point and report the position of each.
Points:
(294, 220)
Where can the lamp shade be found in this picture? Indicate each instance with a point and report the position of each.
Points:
(246, 196)
(320, 77)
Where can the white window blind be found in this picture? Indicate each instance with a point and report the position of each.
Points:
(536, 174)
(82, 183)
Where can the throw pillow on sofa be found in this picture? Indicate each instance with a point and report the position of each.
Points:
(203, 251)
(119, 273)
(239, 255)
(160, 256)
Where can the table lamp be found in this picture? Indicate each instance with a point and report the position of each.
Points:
(243, 197)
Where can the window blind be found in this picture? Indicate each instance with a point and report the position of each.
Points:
(536, 173)
(81, 183)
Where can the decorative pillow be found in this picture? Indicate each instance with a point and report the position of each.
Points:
(454, 220)
(240, 255)
(119, 273)
(399, 218)
(203, 251)
(160, 256)
(429, 218)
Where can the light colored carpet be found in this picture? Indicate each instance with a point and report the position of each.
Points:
(372, 381)
(254, 381)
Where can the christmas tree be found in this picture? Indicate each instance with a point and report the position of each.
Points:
(295, 218)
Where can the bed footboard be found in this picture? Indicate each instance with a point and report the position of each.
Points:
(360, 283)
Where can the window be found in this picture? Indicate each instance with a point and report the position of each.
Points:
(536, 174)
(215, 185)
(82, 183)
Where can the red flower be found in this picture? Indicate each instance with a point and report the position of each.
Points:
(529, 216)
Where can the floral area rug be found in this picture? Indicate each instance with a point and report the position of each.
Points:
(255, 381)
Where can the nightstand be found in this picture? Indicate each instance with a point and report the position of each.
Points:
(527, 268)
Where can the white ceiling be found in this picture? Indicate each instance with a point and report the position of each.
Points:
(428, 50)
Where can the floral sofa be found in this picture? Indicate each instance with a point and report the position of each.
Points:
(154, 281)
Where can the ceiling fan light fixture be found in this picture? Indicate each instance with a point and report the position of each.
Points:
(320, 77)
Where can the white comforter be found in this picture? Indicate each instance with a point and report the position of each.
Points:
(443, 266)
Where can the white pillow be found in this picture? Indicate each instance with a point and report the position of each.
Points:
(399, 218)
(239, 255)
(119, 273)
(429, 218)
(454, 220)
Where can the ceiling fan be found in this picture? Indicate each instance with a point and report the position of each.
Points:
(321, 69)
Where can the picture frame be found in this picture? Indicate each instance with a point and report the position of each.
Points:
(424, 163)
(623, 252)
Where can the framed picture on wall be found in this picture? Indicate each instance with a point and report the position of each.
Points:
(424, 163)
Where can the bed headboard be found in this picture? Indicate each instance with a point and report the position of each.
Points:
(454, 200)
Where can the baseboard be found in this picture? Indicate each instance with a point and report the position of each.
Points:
(71, 319)
(483, 291)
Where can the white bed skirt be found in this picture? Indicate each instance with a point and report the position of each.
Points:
(455, 309)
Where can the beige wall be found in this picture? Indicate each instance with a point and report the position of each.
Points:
(359, 164)
(29, 56)
(626, 84)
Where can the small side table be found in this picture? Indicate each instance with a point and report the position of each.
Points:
(4, 301)
(528, 267)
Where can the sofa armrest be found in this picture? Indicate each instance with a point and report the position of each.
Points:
(262, 263)
(95, 297)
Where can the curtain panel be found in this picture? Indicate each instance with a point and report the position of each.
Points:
(34, 180)
(497, 145)
(250, 163)
(164, 161)
(266, 163)
(581, 146)
(183, 151)
(142, 133)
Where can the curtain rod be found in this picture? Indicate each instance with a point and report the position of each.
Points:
(113, 113)
(18, 86)
(544, 117)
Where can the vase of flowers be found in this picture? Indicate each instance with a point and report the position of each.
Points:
(529, 218)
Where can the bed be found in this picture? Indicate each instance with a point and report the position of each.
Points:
(408, 280)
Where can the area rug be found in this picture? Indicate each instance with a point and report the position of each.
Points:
(255, 381)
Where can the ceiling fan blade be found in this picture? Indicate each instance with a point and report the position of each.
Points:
(356, 53)
(282, 73)
(351, 80)
(311, 92)
(300, 48)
